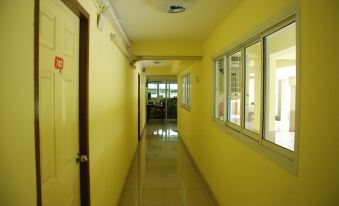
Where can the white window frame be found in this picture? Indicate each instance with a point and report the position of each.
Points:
(227, 56)
(284, 157)
(247, 132)
(215, 89)
(186, 91)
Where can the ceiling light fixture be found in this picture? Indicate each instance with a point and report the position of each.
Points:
(176, 9)
(172, 6)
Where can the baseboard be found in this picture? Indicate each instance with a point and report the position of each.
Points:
(214, 199)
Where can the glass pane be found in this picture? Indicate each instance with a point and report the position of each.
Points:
(234, 88)
(172, 101)
(173, 91)
(188, 101)
(162, 90)
(219, 89)
(280, 55)
(152, 88)
(183, 90)
(253, 87)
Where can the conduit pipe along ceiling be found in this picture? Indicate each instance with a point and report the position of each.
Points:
(106, 9)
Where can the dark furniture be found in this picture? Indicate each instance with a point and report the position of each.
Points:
(155, 112)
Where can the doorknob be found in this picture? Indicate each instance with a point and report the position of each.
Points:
(81, 158)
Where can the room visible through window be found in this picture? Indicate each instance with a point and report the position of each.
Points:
(234, 88)
(280, 73)
(253, 92)
(219, 99)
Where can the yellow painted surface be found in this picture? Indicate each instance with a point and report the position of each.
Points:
(17, 147)
(187, 124)
(159, 71)
(112, 113)
(237, 174)
(167, 49)
(113, 109)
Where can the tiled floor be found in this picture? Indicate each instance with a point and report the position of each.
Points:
(163, 174)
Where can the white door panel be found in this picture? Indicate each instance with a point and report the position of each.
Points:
(58, 102)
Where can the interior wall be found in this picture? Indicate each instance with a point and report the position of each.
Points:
(167, 49)
(112, 113)
(159, 71)
(187, 122)
(239, 175)
(17, 144)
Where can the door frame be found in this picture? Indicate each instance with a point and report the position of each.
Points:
(84, 17)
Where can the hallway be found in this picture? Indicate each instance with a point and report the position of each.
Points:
(256, 102)
(163, 173)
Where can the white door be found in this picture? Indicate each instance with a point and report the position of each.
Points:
(58, 104)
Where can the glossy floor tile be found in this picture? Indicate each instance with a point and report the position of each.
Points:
(162, 173)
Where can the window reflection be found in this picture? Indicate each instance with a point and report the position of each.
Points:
(253, 87)
(280, 55)
(234, 88)
(220, 90)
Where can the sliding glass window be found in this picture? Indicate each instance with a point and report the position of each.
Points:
(280, 86)
(234, 88)
(219, 93)
(256, 91)
(253, 88)
(186, 91)
(183, 90)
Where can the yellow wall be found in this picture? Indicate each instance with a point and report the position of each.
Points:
(159, 71)
(167, 49)
(112, 112)
(187, 122)
(17, 146)
(237, 174)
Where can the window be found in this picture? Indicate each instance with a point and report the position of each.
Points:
(280, 90)
(234, 88)
(183, 90)
(219, 98)
(186, 90)
(257, 91)
(253, 93)
(172, 90)
(153, 89)
(162, 90)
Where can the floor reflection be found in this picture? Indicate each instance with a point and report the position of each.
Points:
(162, 173)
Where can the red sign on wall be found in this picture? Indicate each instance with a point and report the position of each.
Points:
(59, 63)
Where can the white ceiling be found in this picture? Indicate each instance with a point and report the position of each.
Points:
(176, 66)
(142, 22)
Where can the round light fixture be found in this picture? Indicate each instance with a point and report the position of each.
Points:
(176, 9)
(172, 6)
